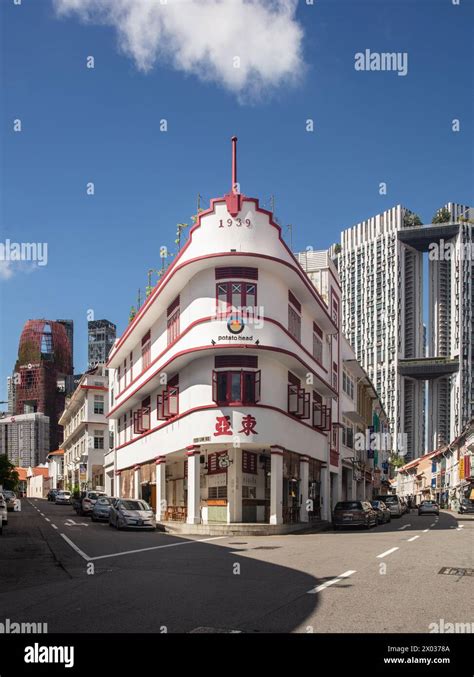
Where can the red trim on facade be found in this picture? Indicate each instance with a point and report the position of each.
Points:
(94, 388)
(220, 347)
(159, 460)
(209, 318)
(174, 267)
(215, 406)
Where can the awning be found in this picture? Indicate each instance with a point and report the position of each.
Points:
(354, 417)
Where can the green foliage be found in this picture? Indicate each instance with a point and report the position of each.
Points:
(337, 248)
(442, 216)
(8, 475)
(397, 461)
(411, 219)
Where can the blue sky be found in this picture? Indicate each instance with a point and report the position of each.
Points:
(102, 125)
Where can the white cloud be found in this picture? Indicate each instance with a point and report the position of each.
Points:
(203, 37)
(6, 270)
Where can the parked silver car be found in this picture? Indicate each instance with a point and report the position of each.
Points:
(428, 508)
(101, 509)
(10, 498)
(131, 513)
(63, 497)
(393, 503)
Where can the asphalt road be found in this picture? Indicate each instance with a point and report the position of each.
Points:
(78, 576)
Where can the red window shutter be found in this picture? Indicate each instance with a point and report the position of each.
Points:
(146, 338)
(159, 408)
(212, 464)
(237, 272)
(293, 399)
(317, 330)
(145, 419)
(249, 462)
(294, 301)
(173, 306)
(173, 401)
(293, 380)
(214, 386)
(257, 385)
(306, 405)
(173, 381)
(317, 415)
(135, 423)
(236, 361)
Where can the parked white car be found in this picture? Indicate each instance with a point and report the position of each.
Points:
(63, 497)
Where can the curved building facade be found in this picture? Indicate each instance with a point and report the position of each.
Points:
(225, 385)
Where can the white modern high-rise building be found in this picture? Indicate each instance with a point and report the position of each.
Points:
(380, 263)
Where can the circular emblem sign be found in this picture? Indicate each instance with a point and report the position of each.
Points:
(235, 325)
(223, 461)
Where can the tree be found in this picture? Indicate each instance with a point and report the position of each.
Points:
(411, 219)
(8, 475)
(337, 248)
(397, 461)
(442, 216)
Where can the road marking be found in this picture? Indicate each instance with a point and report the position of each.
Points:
(405, 526)
(425, 531)
(47, 519)
(72, 523)
(156, 547)
(346, 574)
(413, 538)
(42, 514)
(54, 526)
(433, 525)
(461, 526)
(387, 552)
(74, 547)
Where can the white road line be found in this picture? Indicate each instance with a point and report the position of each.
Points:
(425, 531)
(346, 574)
(156, 547)
(42, 514)
(433, 525)
(47, 519)
(413, 538)
(74, 547)
(54, 526)
(461, 526)
(387, 552)
(405, 526)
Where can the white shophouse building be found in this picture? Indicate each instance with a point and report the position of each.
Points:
(225, 384)
(86, 431)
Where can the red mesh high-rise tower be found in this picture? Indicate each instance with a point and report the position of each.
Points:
(44, 361)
